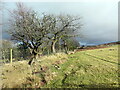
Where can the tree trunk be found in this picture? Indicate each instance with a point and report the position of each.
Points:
(53, 46)
(65, 47)
(33, 57)
(59, 46)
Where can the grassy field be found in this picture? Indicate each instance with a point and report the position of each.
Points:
(97, 68)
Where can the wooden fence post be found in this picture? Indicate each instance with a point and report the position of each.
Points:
(10, 55)
(48, 51)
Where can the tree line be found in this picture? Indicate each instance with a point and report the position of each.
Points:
(45, 33)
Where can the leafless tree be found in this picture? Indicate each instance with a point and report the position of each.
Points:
(33, 30)
(27, 27)
(64, 26)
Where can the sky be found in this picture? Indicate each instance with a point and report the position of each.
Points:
(99, 19)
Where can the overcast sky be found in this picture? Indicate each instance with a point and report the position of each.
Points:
(100, 19)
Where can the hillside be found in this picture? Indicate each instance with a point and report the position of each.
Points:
(105, 45)
(95, 68)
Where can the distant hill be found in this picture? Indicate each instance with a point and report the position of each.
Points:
(111, 43)
(98, 46)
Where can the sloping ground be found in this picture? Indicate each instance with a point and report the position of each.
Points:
(14, 74)
(89, 69)
(84, 69)
(21, 75)
(106, 45)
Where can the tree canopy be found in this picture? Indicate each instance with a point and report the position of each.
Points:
(36, 31)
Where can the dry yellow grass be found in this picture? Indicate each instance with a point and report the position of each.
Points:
(15, 74)
(51, 59)
(19, 74)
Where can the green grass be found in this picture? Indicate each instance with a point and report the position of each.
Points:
(96, 68)
(91, 68)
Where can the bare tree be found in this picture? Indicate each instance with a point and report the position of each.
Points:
(64, 26)
(28, 28)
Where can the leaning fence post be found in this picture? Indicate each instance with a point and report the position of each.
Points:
(10, 55)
